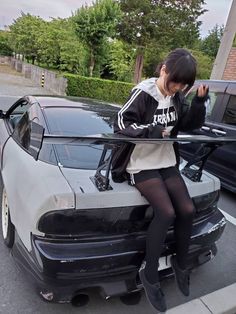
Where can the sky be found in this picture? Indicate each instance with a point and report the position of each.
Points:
(218, 11)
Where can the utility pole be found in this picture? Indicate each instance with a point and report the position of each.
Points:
(225, 44)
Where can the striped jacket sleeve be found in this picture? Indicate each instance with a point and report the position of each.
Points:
(131, 117)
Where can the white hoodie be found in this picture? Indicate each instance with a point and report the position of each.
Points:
(150, 156)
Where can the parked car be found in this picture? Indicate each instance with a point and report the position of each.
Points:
(220, 121)
(64, 232)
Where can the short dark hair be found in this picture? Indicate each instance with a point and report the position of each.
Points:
(181, 67)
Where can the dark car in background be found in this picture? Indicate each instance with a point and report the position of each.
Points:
(220, 121)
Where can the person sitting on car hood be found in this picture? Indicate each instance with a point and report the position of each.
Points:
(156, 108)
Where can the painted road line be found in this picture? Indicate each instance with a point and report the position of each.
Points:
(229, 217)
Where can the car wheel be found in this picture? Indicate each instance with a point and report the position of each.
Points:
(8, 229)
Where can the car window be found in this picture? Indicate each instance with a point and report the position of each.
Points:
(29, 135)
(74, 121)
(15, 115)
(209, 103)
(230, 111)
(22, 131)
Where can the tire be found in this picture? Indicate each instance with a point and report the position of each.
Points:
(8, 229)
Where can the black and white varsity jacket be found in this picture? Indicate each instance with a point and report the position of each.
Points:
(137, 118)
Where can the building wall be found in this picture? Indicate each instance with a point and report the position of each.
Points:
(230, 68)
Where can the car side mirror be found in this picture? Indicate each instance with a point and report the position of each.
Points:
(2, 114)
(36, 139)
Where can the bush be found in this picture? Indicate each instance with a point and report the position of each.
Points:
(204, 65)
(106, 90)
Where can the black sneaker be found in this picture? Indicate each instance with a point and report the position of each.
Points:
(153, 292)
(182, 276)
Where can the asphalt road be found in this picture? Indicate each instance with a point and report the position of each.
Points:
(17, 295)
(14, 84)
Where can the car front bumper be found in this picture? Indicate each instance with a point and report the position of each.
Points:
(60, 268)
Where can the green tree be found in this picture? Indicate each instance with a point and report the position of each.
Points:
(5, 48)
(60, 47)
(171, 23)
(48, 41)
(95, 24)
(204, 64)
(25, 32)
(154, 55)
(180, 21)
(136, 28)
(121, 61)
(211, 43)
(73, 54)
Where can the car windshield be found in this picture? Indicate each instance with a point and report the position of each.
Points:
(78, 121)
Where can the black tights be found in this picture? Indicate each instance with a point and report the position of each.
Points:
(171, 202)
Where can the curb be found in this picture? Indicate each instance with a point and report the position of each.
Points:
(222, 301)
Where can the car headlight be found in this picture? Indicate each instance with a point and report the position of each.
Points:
(206, 201)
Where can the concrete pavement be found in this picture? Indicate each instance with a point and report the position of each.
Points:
(222, 301)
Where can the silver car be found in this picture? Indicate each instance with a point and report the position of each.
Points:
(69, 226)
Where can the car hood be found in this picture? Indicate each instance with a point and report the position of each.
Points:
(122, 194)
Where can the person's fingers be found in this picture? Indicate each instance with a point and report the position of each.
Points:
(206, 89)
(165, 133)
(202, 90)
(199, 91)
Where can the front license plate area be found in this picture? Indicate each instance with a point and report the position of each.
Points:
(164, 262)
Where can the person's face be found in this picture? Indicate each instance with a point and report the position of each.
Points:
(173, 87)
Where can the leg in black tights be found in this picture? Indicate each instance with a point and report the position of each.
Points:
(155, 191)
(185, 211)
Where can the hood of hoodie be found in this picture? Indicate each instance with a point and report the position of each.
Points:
(149, 86)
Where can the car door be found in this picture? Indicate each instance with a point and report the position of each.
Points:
(224, 161)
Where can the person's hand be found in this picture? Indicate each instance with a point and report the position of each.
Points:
(202, 90)
(165, 133)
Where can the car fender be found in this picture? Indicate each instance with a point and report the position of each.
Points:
(33, 188)
(3, 138)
